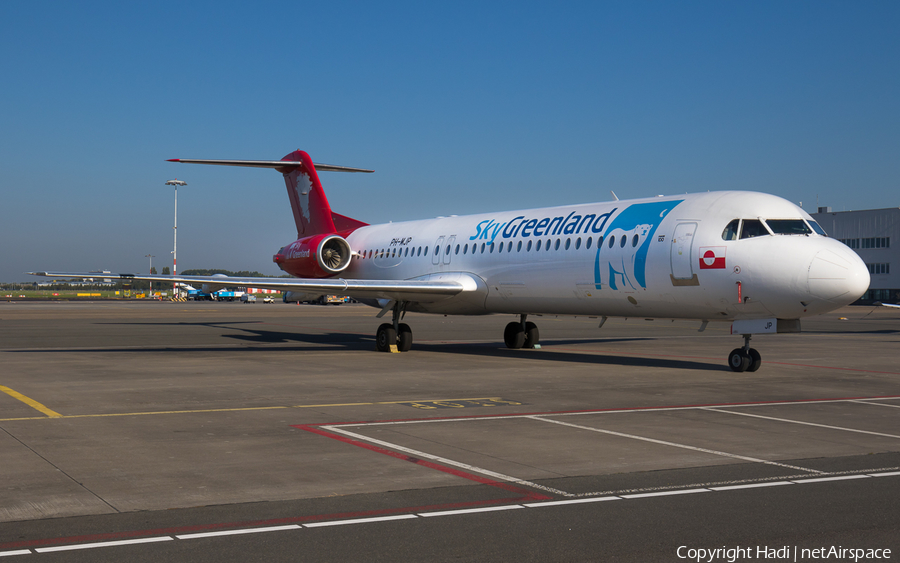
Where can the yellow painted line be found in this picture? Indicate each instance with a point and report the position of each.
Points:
(52, 414)
(30, 402)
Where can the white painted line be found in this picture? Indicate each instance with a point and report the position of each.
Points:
(870, 402)
(103, 544)
(751, 486)
(361, 521)
(236, 532)
(571, 501)
(466, 466)
(471, 510)
(673, 444)
(891, 474)
(667, 493)
(805, 423)
(824, 479)
(19, 552)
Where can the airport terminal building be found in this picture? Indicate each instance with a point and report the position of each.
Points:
(875, 235)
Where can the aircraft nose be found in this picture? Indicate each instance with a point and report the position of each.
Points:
(837, 275)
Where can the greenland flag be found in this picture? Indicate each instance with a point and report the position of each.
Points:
(712, 257)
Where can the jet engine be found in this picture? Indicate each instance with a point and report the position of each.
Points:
(318, 256)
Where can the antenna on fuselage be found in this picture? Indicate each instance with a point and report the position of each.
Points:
(615, 197)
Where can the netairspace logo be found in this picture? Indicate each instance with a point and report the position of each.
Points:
(782, 553)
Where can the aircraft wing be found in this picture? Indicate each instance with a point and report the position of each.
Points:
(435, 288)
(888, 305)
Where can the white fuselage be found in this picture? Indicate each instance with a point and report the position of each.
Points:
(664, 257)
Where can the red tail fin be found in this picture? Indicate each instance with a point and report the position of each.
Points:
(312, 214)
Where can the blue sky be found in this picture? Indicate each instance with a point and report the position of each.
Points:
(459, 107)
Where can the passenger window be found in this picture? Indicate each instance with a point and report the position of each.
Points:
(457, 249)
(624, 240)
(557, 245)
(529, 247)
(568, 243)
(753, 228)
(788, 226)
(577, 243)
(634, 241)
(589, 240)
(612, 240)
(519, 247)
(731, 231)
(538, 247)
(547, 246)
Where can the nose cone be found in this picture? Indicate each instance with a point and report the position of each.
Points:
(837, 275)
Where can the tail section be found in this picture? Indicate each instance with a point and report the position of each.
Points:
(312, 214)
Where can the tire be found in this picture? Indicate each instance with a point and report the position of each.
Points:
(404, 338)
(514, 336)
(738, 360)
(532, 335)
(755, 360)
(385, 337)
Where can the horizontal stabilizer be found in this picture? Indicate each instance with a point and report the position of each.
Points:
(277, 164)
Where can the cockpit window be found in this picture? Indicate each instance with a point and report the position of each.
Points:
(731, 231)
(753, 228)
(788, 226)
(817, 228)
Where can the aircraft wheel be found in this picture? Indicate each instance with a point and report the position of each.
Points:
(532, 335)
(385, 337)
(755, 360)
(738, 360)
(514, 336)
(404, 338)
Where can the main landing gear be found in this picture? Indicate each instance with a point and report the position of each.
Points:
(745, 358)
(522, 334)
(395, 333)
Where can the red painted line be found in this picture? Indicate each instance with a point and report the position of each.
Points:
(431, 465)
(133, 534)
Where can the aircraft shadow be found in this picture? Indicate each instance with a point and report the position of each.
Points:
(260, 339)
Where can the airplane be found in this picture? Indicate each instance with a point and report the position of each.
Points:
(753, 259)
(880, 304)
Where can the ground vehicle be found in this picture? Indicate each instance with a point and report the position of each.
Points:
(268, 299)
(248, 298)
(227, 295)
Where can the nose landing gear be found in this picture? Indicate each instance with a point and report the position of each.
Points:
(745, 358)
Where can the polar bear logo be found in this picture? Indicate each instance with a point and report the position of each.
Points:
(621, 261)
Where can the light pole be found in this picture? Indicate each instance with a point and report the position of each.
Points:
(151, 257)
(175, 183)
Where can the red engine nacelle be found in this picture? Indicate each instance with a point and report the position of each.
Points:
(318, 256)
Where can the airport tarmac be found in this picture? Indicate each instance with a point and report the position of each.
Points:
(210, 431)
